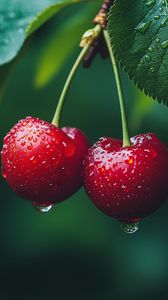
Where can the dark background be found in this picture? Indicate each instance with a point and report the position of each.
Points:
(75, 251)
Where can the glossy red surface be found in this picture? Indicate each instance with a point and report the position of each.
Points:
(43, 163)
(127, 183)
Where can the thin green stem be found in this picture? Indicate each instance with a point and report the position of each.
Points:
(126, 140)
(58, 111)
(87, 39)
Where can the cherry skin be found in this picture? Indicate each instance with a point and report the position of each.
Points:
(43, 163)
(127, 183)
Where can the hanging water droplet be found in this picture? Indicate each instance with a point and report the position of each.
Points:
(143, 27)
(129, 227)
(41, 208)
(164, 44)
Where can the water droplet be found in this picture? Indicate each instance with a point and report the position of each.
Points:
(41, 208)
(139, 187)
(130, 160)
(69, 150)
(129, 227)
(142, 27)
(102, 169)
(157, 17)
(150, 3)
(152, 70)
(30, 138)
(20, 30)
(157, 40)
(29, 146)
(163, 24)
(164, 44)
(150, 49)
(31, 158)
(43, 138)
(48, 131)
(147, 57)
(23, 143)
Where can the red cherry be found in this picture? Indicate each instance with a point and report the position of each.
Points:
(127, 183)
(43, 163)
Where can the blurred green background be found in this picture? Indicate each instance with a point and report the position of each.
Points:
(75, 251)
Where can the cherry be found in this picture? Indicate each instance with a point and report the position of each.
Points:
(43, 163)
(127, 183)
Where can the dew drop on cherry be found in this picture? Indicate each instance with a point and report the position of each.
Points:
(30, 138)
(23, 143)
(130, 160)
(69, 150)
(42, 208)
(29, 146)
(129, 228)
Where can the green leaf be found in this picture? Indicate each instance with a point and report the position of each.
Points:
(47, 13)
(60, 45)
(139, 36)
(140, 109)
(19, 18)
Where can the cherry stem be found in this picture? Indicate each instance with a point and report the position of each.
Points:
(126, 139)
(59, 108)
(56, 119)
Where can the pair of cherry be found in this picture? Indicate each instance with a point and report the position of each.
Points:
(45, 164)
